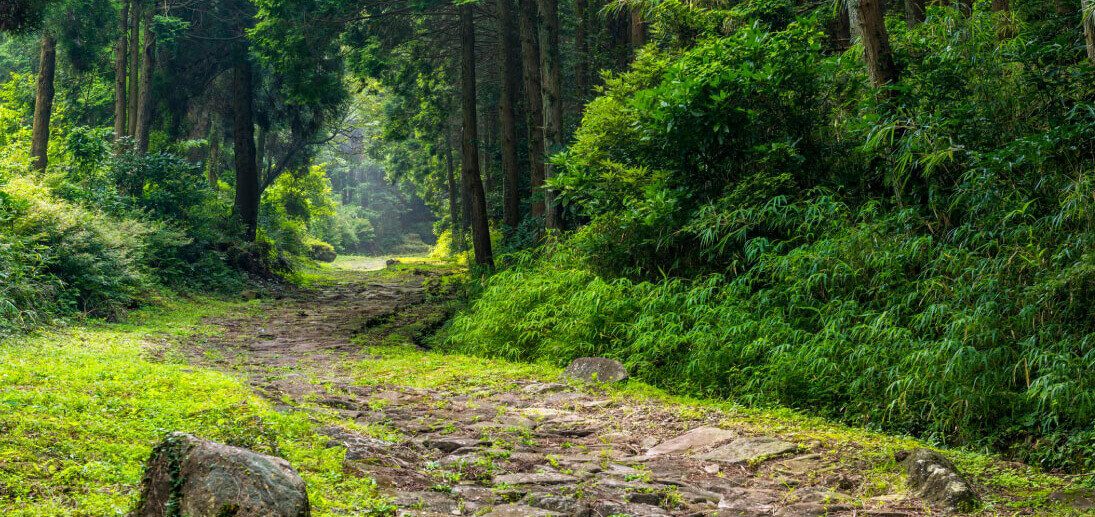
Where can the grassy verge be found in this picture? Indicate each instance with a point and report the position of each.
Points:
(81, 408)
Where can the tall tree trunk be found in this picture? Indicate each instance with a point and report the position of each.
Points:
(121, 69)
(247, 173)
(485, 138)
(855, 27)
(915, 12)
(636, 30)
(581, 49)
(841, 31)
(1089, 27)
(553, 106)
(260, 159)
(43, 102)
(511, 215)
(454, 213)
(876, 44)
(480, 229)
(530, 72)
(134, 65)
(213, 162)
(144, 99)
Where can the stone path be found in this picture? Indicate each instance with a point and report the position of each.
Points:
(542, 449)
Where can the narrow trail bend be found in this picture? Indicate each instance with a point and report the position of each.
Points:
(527, 448)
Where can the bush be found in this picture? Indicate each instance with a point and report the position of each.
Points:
(683, 132)
(321, 251)
(100, 262)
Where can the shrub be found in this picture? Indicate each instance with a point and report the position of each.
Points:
(100, 262)
(321, 251)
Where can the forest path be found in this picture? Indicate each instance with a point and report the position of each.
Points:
(450, 435)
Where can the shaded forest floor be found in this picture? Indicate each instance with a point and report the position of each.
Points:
(337, 376)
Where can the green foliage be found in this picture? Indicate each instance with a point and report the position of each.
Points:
(703, 128)
(101, 233)
(292, 203)
(321, 251)
(762, 227)
(98, 261)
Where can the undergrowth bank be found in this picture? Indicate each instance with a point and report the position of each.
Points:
(757, 224)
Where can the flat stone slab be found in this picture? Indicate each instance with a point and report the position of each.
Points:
(803, 464)
(699, 438)
(520, 510)
(552, 416)
(749, 499)
(545, 478)
(596, 369)
(432, 501)
(1083, 499)
(450, 444)
(542, 388)
(747, 450)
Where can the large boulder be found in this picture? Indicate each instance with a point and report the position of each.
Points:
(596, 369)
(935, 479)
(198, 478)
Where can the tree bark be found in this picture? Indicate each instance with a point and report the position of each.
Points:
(581, 49)
(134, 65)
(511, 215)
(1089, 27)
(247, 174)
(43, 102)
(915, 12)
(1001, 6)
(636, 30)
(121, 69)
(842, 30)
(454, 213)
(530, 71)
(553, 107)
(855, 27)
(213, 162)
(480, 228)
(144, 99)
(876, 44)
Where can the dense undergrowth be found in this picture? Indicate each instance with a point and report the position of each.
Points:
(762, 226)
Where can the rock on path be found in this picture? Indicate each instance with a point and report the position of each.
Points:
(200, 478)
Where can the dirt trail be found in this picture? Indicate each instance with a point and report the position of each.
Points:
(543, 449)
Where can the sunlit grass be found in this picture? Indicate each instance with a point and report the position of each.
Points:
(81, 408)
